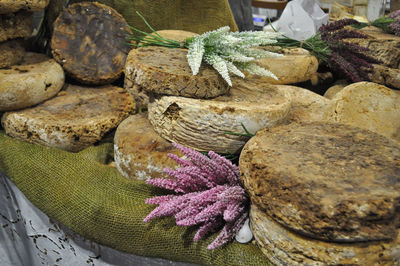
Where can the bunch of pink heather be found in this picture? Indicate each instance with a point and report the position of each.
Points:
(209, 194)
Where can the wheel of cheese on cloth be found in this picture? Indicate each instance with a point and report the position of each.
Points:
(202, 124)
(285, 247)
(35, 80)
(15, 25)
(73, 120)
(165, 71)
(89, 41)
(11, 53)
(327, 181)
(139, 152)
(297, 65)
(10, 6)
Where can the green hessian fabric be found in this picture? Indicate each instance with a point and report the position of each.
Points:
(94, 200)
(192, 15)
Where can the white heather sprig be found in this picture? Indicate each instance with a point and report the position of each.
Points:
(227, 51)
(195, 54)
(255, 69)
(234, 70)
(219, 64)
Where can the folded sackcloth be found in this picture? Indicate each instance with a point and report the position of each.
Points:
(92, 199)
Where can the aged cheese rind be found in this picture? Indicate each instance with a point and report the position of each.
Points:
(73, 120)
(367, 105)
(307, 106)
(11, 6)
(202, 124)
(89, 41)
(16, 25)
(139, 152)
(297, 65)
(37, 79)
(11, 53)
(165, 71)
(327, 181)
(138, 93)
(285, 247)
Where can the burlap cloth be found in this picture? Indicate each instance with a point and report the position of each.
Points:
(192, 15)
(94, 200)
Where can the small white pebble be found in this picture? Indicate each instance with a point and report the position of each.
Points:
(244, 235)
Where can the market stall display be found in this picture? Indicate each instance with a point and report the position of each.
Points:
(216, 135)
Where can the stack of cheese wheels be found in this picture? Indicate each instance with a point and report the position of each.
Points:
(24, 81)
(16, 23)
(323, 194)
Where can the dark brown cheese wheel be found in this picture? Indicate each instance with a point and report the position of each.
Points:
(327, 181)
(89, 42)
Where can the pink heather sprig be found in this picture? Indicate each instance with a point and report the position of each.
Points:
(209, 194)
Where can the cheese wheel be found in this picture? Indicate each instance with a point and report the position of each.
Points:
(73, 120)
(89, 42)
(203, 124)
(35, 80)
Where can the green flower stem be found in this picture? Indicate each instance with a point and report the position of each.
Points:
(382, 23)
(248, 134)
(314, 45)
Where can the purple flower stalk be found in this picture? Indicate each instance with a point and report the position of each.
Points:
(347, 58)
(209, 194)
(395, 25)
(395, 15)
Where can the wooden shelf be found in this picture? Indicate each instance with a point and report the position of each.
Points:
(279, 5)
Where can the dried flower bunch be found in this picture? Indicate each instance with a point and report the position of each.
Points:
(330, 47)
(394, 25)
(389, 23)
(348, 58)
(209, 194)
(228, 52)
